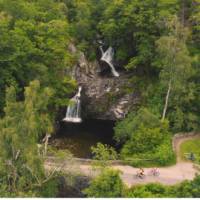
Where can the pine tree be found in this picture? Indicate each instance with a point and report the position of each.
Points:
(21, 167)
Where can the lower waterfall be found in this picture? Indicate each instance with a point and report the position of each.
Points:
(73, 113)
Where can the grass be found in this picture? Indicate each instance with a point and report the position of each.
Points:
(192, 145)
(150, 163)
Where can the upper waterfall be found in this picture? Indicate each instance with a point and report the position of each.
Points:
(107, 57)
(73, 113)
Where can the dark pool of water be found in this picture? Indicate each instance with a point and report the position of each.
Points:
(79, 138)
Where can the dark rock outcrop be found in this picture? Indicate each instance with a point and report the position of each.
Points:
(104, 96)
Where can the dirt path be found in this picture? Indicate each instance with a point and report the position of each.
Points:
(168, 175)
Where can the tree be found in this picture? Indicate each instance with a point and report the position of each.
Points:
(22, 170)
(176, 62)
(34, 45)
(130, 125)
(195, 22)
(143, 140)
(145, 137)
(108, 184)
(130, 26)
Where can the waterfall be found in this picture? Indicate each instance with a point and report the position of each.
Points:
(107, 57)
(73, 110)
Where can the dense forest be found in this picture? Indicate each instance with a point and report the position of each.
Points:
(157, 43)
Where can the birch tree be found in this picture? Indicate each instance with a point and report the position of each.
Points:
(174, 59)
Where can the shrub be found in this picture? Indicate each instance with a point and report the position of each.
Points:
(147, 139)
(146, 191)
(102, 154)
(126, 128)
(164, 154)
(107, 184)
(50, 188)
(185, 189)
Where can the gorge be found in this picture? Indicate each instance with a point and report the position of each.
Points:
(103, 96)
(107, 84)
(92, 112)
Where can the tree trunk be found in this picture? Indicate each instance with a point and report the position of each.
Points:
(166, 101)
(46, 141)
(183, 13)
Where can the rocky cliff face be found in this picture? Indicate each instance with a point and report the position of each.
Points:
(104, 96)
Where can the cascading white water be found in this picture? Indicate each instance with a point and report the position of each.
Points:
(73, 110)
(102, 52)
(107, 57)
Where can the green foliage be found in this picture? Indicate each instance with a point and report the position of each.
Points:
(49, 189)
(137, 21)
(147, 138)
(176, 62)
(130, 26)
(24, 123)
(103, 154)
(164, 154)
(108, 184)
(143, 140)
(126, 128)
(59, 154)
(186, 189)
(147, 191)
(33, 45)
(190, 146)
(149, 145)
(34, 41)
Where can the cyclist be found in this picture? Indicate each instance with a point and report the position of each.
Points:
(155, 172)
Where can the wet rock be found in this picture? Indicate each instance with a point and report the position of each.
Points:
(104, 96)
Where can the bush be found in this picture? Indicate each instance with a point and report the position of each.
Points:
(126, 128)
(107, 184)
(146, 191)
(102, 154)
(145, 139)
(185, 189)
(161, 155)
(164, 154)
(50, 188)
(148, 141)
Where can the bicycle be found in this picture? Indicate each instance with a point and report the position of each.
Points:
(140, 175)
(154, 172)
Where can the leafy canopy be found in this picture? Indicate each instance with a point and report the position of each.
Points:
(108, 184)
(24, 123)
